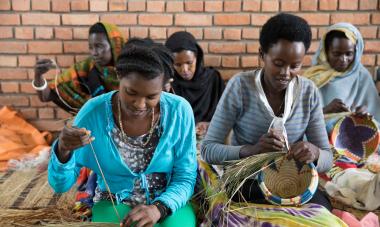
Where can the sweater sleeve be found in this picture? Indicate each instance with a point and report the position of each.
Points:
(213, 149)
(182, 182)
(317, 135)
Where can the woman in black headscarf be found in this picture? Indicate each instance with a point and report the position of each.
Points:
(201, 86)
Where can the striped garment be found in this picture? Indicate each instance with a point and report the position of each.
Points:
(241, 111)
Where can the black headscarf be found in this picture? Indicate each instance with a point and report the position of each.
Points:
(204, 90)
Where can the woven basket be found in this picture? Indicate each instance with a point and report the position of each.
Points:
(355, 137)
(287, 183)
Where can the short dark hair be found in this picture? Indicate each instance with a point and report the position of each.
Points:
(330, 37)
(285, 26)
(97, 28)
(139, 59)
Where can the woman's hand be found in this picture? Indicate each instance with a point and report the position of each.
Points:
(142, 215)
(71, 138)
(201, 128)
(273, 141)
(361, 111)
(304, 152)
(335, 106)
(42, 66)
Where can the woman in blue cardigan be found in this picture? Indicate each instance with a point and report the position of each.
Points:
(140, 141)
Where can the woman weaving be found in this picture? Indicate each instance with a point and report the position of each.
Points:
(139, 141)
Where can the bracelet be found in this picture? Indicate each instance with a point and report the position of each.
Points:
(41, 88)
(163, 209)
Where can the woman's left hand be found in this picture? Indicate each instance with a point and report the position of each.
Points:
(201, 128)
(142, 215)
(304, 152)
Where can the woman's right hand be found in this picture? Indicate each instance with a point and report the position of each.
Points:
(273, 141)
(335, 106)
(70, 139)
(42, 66)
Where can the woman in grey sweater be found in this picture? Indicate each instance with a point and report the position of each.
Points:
(272, 109)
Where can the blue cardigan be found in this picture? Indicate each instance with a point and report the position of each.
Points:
(175, 154)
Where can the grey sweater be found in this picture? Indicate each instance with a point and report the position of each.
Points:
(241, 110)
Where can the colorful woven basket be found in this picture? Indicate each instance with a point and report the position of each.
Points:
(355, 137)
(287, 182)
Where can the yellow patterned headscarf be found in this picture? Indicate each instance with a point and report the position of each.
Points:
(321, 73)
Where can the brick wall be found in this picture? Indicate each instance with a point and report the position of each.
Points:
(228, 32)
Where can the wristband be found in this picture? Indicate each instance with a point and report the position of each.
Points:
(41, 88)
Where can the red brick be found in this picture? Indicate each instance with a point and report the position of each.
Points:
(79, 5)
(80, 33)
(125, 32)
(12, 47)
(329, 5)
(375, 18)
(21, 5)
(8, 61)
(136, 6)
(270, 6)
(249, 61)
(314, 33)
(155, 6)
(44, 33)
(212, 60)
(368, 32)
(63, 33)
(28, 113)
(372, 46)
(61, 114)
(194, 6)
(76, 47)
(26, 87)
(79, 58)
(251, 5)
(172, 30)
(227, 47)
(5, 5)
(45, 113)
(227, 74)
(313, 47)
(120, 18)
(65, 60)
(232, 6)
(232, 34)
(60, 5)
(48, 125)
(253, 47)
(9, 19)
(213, 33)
(138, 32)
(42, 5)
(117, 5)
(9, 87)
(157, 33)
(196, 32)
(348, 4)
(79, 19)
(40, 19)
(290, 5)
(98, 5)
(368, 4)
(230, 61)
(259, 19)
(251, 33)
(321, 32)
(204, 46)
(156, 19)
(45, 47)
(316, 18)
(12, 73)
(213, 6)
(353, 18)
(14, 101)
(6, 32)
(174, 6)
(193, 20)
(35, 101)
(26, 61)
(368, 59)
(232, 19)
(309, 5)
